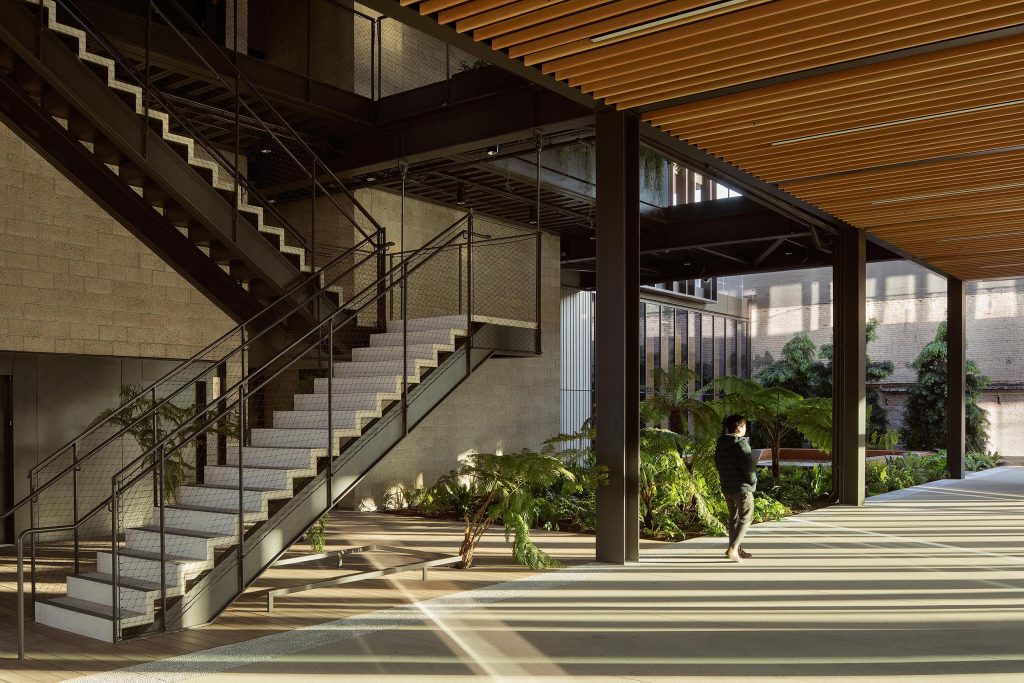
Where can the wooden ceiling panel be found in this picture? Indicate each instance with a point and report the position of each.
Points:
(902, 117)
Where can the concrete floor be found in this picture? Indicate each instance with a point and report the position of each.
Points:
(925, 583)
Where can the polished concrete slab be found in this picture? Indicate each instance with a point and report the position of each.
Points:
(922, 584)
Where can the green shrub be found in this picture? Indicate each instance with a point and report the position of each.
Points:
(977, 461)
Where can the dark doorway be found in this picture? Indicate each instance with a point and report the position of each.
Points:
(6, 457)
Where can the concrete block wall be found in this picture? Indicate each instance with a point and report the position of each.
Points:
(507, 405)
(909, 303)
(73, 280)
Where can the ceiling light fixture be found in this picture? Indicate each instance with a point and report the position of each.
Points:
(950, 193)
(980, 236)
(460, 195)
(265, 150)
(689, 14)
(533, 215)
(493, 150)
(899, 122)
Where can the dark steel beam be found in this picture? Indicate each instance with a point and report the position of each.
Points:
(837, 67)
(51, 141)
(956, 396)
(464, 41)
(488, 118)
(618, 347)
(848, 367)
(706, 226)
(769, 251)
(279, 85)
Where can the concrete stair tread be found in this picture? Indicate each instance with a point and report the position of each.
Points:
(202, 508)
(147, 555)
(260, 489)
(123, 582)
(94, 609)
(192, 533)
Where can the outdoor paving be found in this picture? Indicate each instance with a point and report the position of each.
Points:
(925, 583)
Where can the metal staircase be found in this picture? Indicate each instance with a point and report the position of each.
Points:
(76, 100)
(161, 513)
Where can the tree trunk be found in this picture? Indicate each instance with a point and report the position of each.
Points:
(776, 458)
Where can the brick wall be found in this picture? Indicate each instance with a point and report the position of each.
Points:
(909, 303)
(72, 280)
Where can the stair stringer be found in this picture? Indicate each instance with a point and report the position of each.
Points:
(65, 71)
(219, 588)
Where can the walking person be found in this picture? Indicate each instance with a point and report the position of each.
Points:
(737, 473)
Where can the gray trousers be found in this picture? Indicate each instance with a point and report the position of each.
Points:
(741, 514)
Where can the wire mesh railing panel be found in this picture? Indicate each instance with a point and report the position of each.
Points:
(505, 280)
(410, 59)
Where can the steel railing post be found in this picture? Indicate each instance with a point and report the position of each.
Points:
(74, 503)
(330, 413)
(20, 550)
(115, 569)
(405, 344)
(148, 83)
(241, 470)
(163, 544)
(469, 294)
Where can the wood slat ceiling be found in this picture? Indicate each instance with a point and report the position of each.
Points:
(925, 150)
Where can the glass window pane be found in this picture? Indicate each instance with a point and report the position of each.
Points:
(730, 347)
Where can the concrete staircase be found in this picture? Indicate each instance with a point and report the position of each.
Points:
(204, 519)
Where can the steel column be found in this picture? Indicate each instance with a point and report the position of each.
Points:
(618, 345)
(848, 367)
(956, 397)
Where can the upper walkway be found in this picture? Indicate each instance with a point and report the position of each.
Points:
(922, 582)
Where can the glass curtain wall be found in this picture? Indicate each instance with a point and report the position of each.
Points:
(710, 344)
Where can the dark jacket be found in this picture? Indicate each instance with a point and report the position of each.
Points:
(737, 467)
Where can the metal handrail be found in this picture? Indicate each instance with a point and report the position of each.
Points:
(158, 462)
(150, 93)
(263, 101)
(34, 493)
(353, 314)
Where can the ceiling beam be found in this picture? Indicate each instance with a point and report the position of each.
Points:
(485, 117)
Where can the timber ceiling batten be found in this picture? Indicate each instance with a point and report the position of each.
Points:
(901, 117)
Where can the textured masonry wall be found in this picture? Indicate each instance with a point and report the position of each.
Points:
(72, 280)
(909, 303)
(507, 405)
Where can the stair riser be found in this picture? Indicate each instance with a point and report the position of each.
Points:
(252, 477)
(292, 458)
(179, 546)
(303, 419)
(360, 385)
(393, 340)
(253, 501)
(74, 622)
(102, 593)
(297, 438)
(394, 354)
(345, 402)
(214, 523)
(344, 371)
(149, 570)
(429, 324)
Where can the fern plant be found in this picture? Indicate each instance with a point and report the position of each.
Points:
(185, 423)
(502, 488)
(779, 412)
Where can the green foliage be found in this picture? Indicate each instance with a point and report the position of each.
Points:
(806, 370)
(902, 471)
(977, 461)
(672, 398)
(466, 65)
(767, 508)
(924, 416)
(316, 535)
(185, 423)
(884, 442)
(501, 488)
(779, 411)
